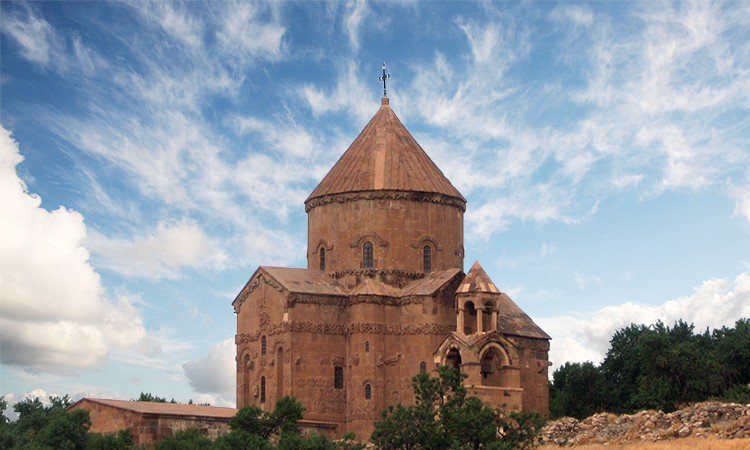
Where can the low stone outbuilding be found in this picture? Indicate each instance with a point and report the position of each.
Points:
(152, 421)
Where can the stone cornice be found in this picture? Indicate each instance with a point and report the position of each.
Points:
(386, 195)
(372, 272)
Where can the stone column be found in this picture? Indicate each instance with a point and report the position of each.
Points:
(479, 319)
(493, 325)
(460, 320)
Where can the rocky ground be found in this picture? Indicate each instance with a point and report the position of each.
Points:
(723, 420)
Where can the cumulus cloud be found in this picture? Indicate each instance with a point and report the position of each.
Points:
(215, 373)
(160, 254)
(52, 307)
(714, 304)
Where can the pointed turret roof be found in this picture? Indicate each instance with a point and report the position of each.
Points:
(385, 156)
(510, 318)
(477, 280)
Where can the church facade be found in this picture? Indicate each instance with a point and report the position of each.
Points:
(383, 297)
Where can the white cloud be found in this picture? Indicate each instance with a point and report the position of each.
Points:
(351, 95)
(741, 196)
(36, 38)
(216, 372)
(160, 254)
(52, 309)
(714, 304)
(244, 32)
(355, 12)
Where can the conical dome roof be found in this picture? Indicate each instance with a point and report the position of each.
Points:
(385, 156)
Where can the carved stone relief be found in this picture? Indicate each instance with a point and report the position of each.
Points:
(390, 361)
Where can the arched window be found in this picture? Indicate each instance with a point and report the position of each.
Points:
(338, 378)
(262, 389)
(367, 255)
(423, 367)
(263, 345)
(368, 391)
(367, 346)
(322, 259)
(427, 258)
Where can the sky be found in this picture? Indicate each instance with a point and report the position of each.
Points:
(153, 155)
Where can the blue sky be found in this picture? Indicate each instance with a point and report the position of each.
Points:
(154, 154)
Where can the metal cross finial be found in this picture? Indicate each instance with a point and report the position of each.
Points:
(383, 78)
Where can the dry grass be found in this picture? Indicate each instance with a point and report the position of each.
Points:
(674, 444)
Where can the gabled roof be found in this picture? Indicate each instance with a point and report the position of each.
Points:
(373, 287)
(162, 408)
(304, 281)
(385, 156)
(477, 280)
(512, 320)
(431, 283)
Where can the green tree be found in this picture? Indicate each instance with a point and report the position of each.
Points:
(443, 416)
(576, 391)
(732, 347)
(122, 440)
(190, 439)
(49, 427)
(148, 397)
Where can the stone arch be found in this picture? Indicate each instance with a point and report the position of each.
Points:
(495, 366)
(427, 239)
(453, 357)
(322, 243)
(372, 236)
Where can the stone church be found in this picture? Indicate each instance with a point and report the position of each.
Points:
(383, 297)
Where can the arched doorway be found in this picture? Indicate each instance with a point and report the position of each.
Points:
(453, 358)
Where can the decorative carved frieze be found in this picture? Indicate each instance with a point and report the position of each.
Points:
(345, 330)
(408, 329)
(539, 345)
(318, 300)
(372, 272)
(338, 361)
(387, 195)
